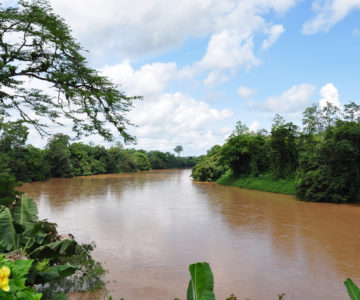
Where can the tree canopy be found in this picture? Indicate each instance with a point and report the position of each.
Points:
(318, 162)
(178, 149)
(36, 46)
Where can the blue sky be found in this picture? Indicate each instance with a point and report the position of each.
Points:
(202, 65)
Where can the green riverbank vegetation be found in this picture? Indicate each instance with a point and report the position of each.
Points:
(318, 162)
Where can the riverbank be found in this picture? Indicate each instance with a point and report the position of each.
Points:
(266, 183)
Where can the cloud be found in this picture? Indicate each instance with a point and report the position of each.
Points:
(245, 92)
(177, 118)
(149, 80)
(254, 126)
(274, 33)
(292, 100)
(329, 93)
(229, 49)
(328, 13)
(133, 29)
(167, 119)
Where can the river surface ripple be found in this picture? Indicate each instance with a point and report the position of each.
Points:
(150, 226)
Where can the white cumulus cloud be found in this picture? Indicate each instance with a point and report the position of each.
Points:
(292, 100)
(148, 81)
(229, 49)
(137, 28)
(164, 118)
(328, 13)
(329, 93)
(274, 33)
(178, 119)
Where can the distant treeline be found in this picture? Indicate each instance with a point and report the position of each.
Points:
(321, 160)
(60, 158)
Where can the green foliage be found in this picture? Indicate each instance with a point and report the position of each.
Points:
(265, 182)
(209, 167)
(332, 174)
(58, 155)
(44, 50)
(245, 154)
(20, 230)
(283, 149)
(7, 188)
(142, 161)
(321, 163)
(19, 269)
(12, 135)
(201, 284)
(353, 290)
(178, 149)
(88, 276)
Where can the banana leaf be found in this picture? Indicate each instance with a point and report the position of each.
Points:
(7, 230)
(55, 250)
(201, 284)
(25, 214)
(353, 290)
(53, 273)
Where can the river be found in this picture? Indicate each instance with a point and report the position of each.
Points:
(149, 226)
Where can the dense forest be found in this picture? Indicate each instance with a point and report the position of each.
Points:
(318, 162)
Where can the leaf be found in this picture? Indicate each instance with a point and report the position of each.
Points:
(209, 277)
(353, 290)
(7, 230)
(55, 272)
(21, 267)
(198, 279)
(201, 284)
(25, 213)
(55, 249)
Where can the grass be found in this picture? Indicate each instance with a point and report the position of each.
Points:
(266, 183)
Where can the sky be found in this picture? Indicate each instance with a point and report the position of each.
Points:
(203, 65)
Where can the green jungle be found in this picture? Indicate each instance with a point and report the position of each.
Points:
(320, 162)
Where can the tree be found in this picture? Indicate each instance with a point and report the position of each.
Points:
(178, 149)
(209, 166)
(352, 112)
(240, 128)
(36, 45)
(245, 154)
(12, 135)
(59, 156)
(284, 148)
(142, 161)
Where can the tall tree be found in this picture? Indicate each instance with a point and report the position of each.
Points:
(59, 156)
(178, 149)
(284, 149)
(36, 44)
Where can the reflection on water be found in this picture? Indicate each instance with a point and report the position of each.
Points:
(150, 226)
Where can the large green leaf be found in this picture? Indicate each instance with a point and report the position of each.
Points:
(54, 272)
(201, 284)
(7, 230)
(55, 249)
(209, 287)
(25, 214)
(353, 290)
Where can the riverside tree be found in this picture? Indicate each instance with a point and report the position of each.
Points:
(178, 149)
(36, 48)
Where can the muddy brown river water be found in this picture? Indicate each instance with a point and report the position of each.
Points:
(150, 226)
